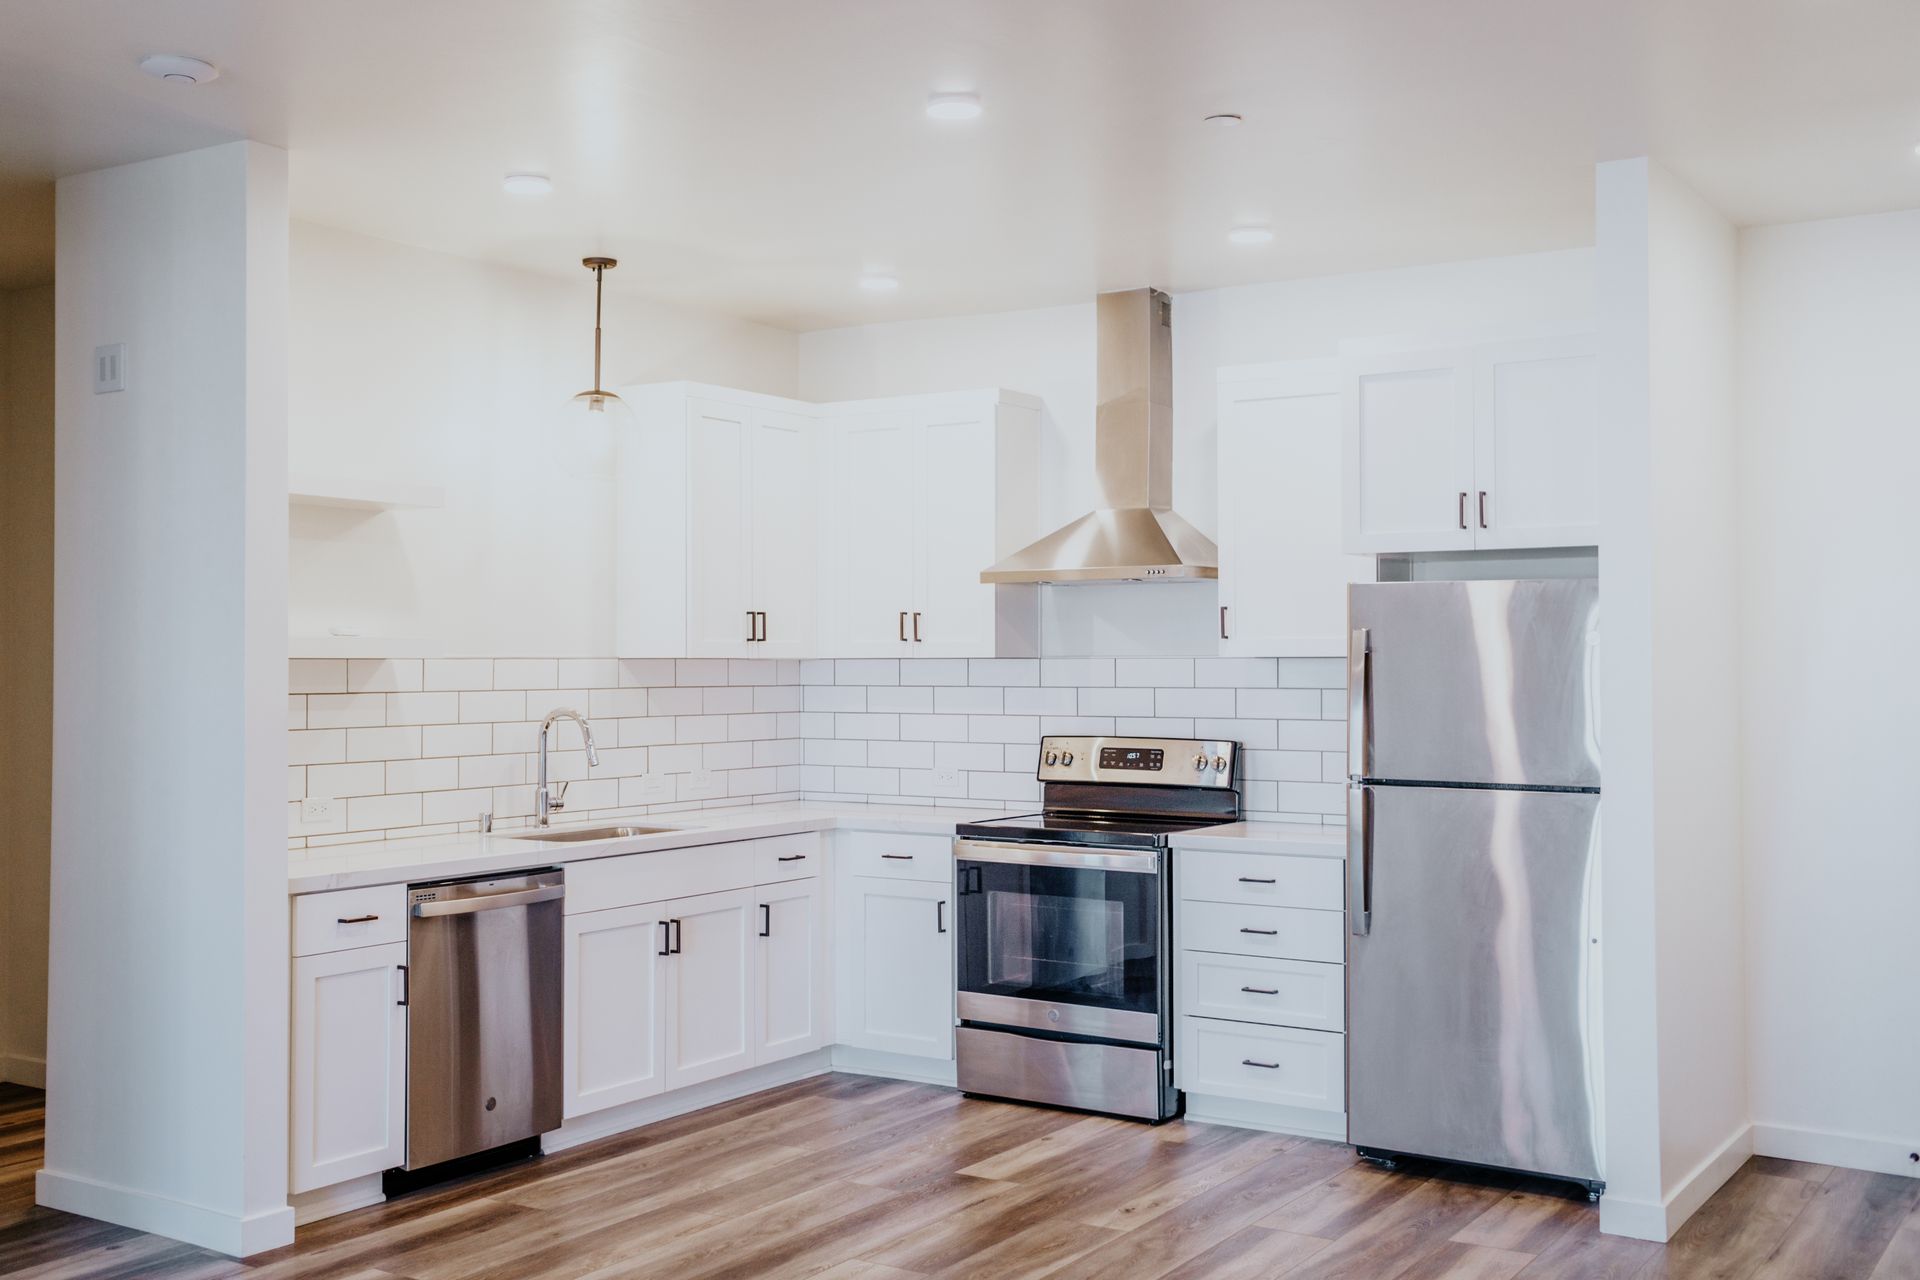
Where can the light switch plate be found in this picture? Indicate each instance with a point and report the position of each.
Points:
(315, 811)
(110, 368)
(654, 788)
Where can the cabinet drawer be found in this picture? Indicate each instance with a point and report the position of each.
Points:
(1280, 993)
(1264, 1064)
(348, 918)
(779, 858)
(875, 853)
(1261, 931)
(1213, 875)
(602, 883)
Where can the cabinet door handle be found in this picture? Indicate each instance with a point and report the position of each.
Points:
(676, 939)
(1265, 933)
(916, 628)
(1463, 508)
(791, 857)
(1261, 991)
(355, 919)
(766, 919)
(1270, 1066)
(1256, 880)
(751, 637)
(763, 626)
(406, 985)
(903, 626)
(897, 857)
(940, 916)
(1223, 623)
(666, 936)
(1483, 508)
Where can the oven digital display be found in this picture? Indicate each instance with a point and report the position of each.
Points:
(1132, 758)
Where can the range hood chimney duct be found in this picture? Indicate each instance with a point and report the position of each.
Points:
(1134, 535)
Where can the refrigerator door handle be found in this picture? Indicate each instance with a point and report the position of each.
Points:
(1360, 859)
(1359, 668)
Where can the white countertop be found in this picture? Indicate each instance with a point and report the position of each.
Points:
(347, 866)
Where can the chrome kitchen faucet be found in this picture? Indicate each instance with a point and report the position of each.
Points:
(545, 802)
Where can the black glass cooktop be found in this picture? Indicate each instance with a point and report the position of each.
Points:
(1128, 830)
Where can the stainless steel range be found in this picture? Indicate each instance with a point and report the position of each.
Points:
(1065, 966)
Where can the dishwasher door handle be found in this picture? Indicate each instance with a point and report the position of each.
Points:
(490, 901)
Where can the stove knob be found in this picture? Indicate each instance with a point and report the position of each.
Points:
(1053, 757)
(1200, 761)
(1066, 757)
(1219, 764)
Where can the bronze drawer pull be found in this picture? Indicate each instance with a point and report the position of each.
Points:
(1261, 991)
(1249, 1062)
(1265, 933)
(791, 857)
(898, 857)
(1256, 880)
(355, 919)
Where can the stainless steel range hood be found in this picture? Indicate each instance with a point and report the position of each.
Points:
(1135, 534)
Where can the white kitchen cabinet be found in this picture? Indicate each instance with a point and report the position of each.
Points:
(614, 990)
(717, 512)
(1283, 572)
(923, 493)
(349, 1065)
(1482, 447)
(896, 966)
(712, 984)
(791, 1016)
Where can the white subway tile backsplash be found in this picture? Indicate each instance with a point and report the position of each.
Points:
(778, 697)
(1153, 672)
(1234, 673)
(1116, 702)
(866, 671)
(749, 728)
(646, 731)
(317, 675)
(1254, 735)
(1021, 787)
(504, 704)
(346, 710)
(589, 673)
(1311, 673)
(990, 756)
(1282, 766)
(645, 673)
(700, 729)
(828, 697)
(727, 755)
(383, 744)
(1042, 702)
(372, 813)
(900, 698)
(316, 746)
(296, 711)
(932, 728)
(456, 739)
(1153, 727)
(455, 806)
(1003, 671)
(383, 675)
(333, 780)
(976, 701)
(492, 771)
(1278, 704)
(458, 674)
(1003, 728)
(700, 671)
(935, 671)
(900, 755)
(1193, 702)
(776, 751)
(422, 775)
(674, 702)
(1333, 704)
(816, 671)
(752, 671)
(1310, 735)
(860, 725)
(1076, 673)
(423, 708)
(726, 700)
(526, 673)
(881, 782)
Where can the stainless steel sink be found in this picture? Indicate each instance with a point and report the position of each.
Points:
(591, 833)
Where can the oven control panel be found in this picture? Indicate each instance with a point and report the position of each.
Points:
(1168, 762)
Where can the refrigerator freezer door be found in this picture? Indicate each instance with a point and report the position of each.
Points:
(1480, 682)
(1468, 1027)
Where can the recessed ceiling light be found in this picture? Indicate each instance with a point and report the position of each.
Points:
(954, 106)
(1251, 235)
(879, 282)
(175, 69)
(526, 184)
(1225, 119)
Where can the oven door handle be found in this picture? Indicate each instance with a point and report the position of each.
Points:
(1046, 855)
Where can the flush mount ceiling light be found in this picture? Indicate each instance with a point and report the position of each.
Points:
(597, 399)
(175, 69)
(879, 282)
(1250, 234)
(1223, 119)
(954, 106)
(526, 184)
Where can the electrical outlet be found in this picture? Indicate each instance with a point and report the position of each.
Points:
(110, 368)
(703, 784)
(654, 788)
(946, 781)
(315, 812)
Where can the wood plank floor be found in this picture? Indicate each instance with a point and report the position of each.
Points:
(849, 1178)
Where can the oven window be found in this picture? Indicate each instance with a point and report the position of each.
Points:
(1059, 934)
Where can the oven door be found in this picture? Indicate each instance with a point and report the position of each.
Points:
(1058, 939)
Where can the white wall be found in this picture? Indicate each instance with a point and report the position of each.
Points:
(412, 365)
(1829, 458)
(167, 1049)
(1675, 998)
(1050, 352)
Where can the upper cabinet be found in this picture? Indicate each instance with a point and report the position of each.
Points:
(922, 493)
(1482, 447)
(718, 515)
(1283, 575)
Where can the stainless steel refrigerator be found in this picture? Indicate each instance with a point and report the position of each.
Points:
(1473, 829)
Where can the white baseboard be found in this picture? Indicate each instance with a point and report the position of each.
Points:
(344, 1197)
(893, 1066)
(1329, 1126)
(21, 1068)
(233, 1235)
(1847, 1150)
(632, 1115)
(1645, 1220)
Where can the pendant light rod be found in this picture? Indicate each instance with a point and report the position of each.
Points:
(596, 398)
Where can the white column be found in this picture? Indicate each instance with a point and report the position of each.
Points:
(1672, 872)
(167, 1021)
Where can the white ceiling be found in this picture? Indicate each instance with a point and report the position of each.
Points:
(754, 156)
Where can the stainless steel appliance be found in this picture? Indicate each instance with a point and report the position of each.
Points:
(1062, 923)
(483, 1013)
(1473, 826)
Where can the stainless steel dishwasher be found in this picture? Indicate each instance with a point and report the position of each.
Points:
(483, 1013)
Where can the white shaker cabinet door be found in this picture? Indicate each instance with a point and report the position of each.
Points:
(783, 514)
(612, 1005)
(1283, 573)
(349, 1068)
(719, 566)
(954, 613)
(1537, 450)
(874, 490)
(713, 982)
(898, 981)
(1408, 445)
(791, 1017)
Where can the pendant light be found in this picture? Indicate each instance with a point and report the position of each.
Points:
(597, 399)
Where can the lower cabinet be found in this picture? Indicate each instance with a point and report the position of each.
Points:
(348, 1104)
(896, 953)
(613, 989)
(713, 985)
(793, 1014)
